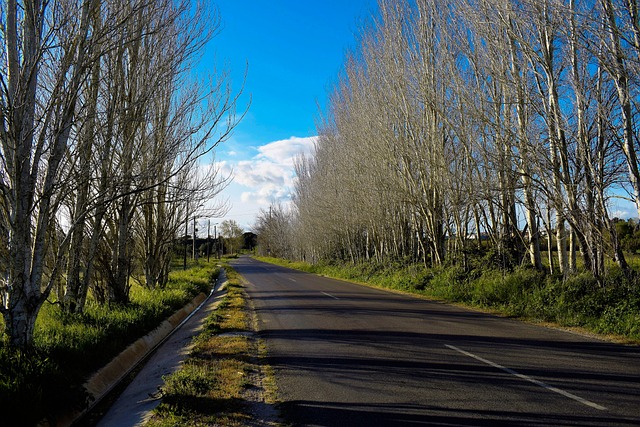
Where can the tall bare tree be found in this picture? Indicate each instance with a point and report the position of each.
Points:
(46, 57)
(83, 125)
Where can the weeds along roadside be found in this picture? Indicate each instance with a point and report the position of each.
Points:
(610, 308)
(46, 381)
(217, 383)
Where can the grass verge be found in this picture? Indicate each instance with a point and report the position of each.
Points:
(46, 381)
(223, 380)
(610, 309)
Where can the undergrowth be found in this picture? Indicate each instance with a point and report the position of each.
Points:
(46, 381)
(611, 306)
(208, 389)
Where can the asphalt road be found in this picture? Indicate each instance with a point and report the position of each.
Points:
(348, 355)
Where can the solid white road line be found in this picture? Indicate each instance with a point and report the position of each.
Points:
(329, 295)
(527, 378)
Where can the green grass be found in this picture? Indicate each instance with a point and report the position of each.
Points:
(611, 307)
(210, 388)
(44, 381)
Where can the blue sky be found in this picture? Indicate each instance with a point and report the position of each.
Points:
(293, 51)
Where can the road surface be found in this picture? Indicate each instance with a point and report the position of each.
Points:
(348, 355)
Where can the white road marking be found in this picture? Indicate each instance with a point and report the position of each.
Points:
(329, 295)
(527, 378)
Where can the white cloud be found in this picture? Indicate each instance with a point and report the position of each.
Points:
(284, 152)
(256, 173)
(623, 209)
(266, 195)
(624, 213)
(270, 174)
(268, 177)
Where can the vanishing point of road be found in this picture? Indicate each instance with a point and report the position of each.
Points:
(349, 355)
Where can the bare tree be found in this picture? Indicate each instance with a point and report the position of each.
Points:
(46, 55)
(83, 125)
(476, 114)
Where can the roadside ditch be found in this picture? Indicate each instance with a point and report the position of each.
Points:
(106, 384)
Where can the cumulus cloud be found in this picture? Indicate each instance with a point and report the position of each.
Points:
(270, 174)
(256, 173)
(284, 152)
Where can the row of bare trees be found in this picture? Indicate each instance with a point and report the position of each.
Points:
(103, 130)
(462, 120)
(276, 231)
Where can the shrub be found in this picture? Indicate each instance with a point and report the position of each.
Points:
(450, 283)
(32, 387)
(68, 347)
(580, 298)
(622, 319)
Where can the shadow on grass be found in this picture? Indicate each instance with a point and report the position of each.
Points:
(203, 406)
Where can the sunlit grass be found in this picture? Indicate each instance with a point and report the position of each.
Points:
(634, 261)
(74, 345)
(209, 389)
(109, 328)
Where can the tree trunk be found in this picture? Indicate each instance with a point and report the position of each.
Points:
(74, 292)
(30, 209)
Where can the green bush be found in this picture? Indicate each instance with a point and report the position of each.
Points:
(542, 301)
(450, 283)
(579, 299)
(68, 347)
(34, 387)
(509, 291)
(622, 319)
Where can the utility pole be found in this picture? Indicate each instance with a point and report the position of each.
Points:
(215, 233)
(208, 239)
(195, 254)
(186, 235)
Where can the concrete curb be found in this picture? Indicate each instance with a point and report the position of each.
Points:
(109, 376)
(136, 403)
(113, 372)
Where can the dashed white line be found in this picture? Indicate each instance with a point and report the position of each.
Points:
(527, 378)
(329, 295)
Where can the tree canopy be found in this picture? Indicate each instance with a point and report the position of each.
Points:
(103, 129)
(462, 125)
